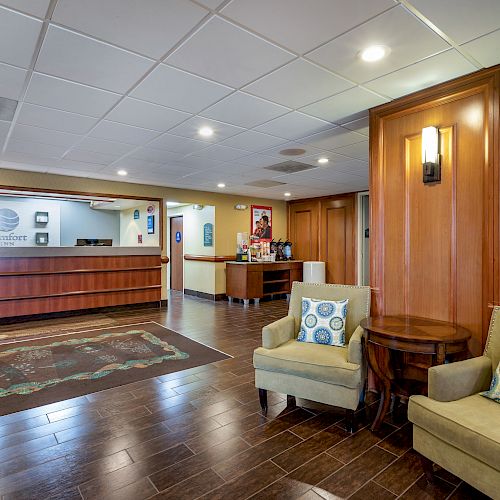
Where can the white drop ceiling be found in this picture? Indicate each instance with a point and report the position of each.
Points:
(105, 85)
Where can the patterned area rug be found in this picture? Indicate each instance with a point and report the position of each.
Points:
(47, 370)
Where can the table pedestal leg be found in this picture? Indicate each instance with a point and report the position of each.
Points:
(385, 397)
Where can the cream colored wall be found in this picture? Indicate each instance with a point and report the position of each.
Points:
(228, 221)
(130, 228)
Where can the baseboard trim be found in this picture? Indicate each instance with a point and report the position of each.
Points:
(203, 295)
(81, 312)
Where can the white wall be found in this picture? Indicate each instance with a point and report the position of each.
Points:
(130, 228)
(199, 276)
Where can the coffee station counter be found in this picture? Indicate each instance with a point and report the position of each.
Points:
(255, 280)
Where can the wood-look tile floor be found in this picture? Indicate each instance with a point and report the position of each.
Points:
(199, 433)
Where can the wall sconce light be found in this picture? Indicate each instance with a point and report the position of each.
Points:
(198, 207)
(240, 206)
(430, 155)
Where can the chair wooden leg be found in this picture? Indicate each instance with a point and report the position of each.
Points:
(290, 401)
(263, 400)
(350, 421)
(428, 469)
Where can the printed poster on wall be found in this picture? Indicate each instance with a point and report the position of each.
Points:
(261, 224)
(18, 226)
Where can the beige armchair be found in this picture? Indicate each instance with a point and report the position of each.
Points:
(457, 428)
(325, 374)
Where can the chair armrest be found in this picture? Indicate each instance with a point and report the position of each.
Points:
(355, 348)
(278, 333)
(458, 380)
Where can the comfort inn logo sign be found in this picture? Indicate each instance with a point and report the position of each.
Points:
(9, 220)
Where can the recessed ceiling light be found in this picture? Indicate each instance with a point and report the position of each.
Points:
(322, 161)
(206, 131)
(117, 206)
(122, 172)
(374, 53)
(288, 194)
(221, 185)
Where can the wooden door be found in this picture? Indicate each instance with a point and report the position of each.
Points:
(176, 253)
(338, 249)
(303, 220)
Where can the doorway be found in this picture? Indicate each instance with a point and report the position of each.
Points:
(364, 239)
(177, 253)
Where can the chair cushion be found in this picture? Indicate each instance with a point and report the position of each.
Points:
(470, 424)
(494, 390)
(323, 321)
(323, 363)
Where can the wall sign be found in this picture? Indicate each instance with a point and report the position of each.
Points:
(208, 235)
(139, 238)
(151, 224)
(137, 214)
(178, 236)
(151, 209)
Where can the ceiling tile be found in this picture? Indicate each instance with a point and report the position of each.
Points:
(113, 131)
(151, 28)
(18, 37)
(303, 25)
(361, 125)
(146, 115)
(294, 126)
(297, 84)
(82, 59)
(104, 146)
(344, 104)
(177, 144)
(257, 160)
(35, 149)
(44, 136)
(437, 69)
(11, 81)
(94, 157)
(55, 119)
(396, 29)
(244, 110)
(462, 20)
(185, 91)
(253, 141)
(485, 49)
(190, 129)
(211, 4)
(35, 7)
(228, 54)
(334, 138)
(221, 153)
(68, 96)
(154, 155)
(76, 166)
(4, 130)
(276, 151)
(358, 151)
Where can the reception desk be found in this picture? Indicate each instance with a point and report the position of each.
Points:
(54, 279)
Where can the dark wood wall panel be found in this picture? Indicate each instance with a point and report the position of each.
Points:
(52, 284)
(435, 248)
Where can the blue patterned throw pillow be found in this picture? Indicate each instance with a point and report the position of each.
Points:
(494, 391)
(323, 321)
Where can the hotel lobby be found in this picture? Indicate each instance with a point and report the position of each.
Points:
(249, 249)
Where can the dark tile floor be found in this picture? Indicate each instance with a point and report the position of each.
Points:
(199, 433)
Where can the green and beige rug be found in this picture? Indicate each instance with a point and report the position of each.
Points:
(46, 370)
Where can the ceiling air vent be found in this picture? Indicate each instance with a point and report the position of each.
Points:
(7, 109)
(264, 183)
(290, 167)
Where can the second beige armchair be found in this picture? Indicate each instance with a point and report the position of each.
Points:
(322, 373)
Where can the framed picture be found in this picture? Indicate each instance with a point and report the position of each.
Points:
(261, 223)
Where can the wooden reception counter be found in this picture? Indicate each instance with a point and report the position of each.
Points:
(54, 279)
(255, 280)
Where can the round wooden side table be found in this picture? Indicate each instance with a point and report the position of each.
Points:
(403, 337)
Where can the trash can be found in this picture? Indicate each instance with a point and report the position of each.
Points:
(314, 272)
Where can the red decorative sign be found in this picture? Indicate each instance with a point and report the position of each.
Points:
(261, 223)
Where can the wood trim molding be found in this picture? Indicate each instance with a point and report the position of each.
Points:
(77, 271)
(210, 258)
(80, 292)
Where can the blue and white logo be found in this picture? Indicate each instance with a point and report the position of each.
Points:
(9, 219)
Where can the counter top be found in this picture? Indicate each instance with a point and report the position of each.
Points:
(76, 251)
(253, 263)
